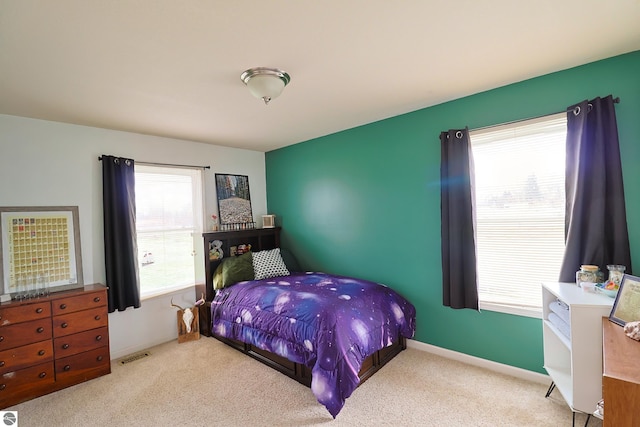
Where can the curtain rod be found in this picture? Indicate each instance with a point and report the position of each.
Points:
(616, 100)
(168, 164)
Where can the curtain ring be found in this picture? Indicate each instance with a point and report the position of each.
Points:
(459, 134)
(590, 108)
(127, 162)
(576, 111)
(116, 160)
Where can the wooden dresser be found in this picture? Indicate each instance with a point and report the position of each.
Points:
(621, 377)
(53, 342)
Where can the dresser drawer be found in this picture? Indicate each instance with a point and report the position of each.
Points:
(84, 365)
(79, 302)
(27, 355)
(24, 313)
(83, 341)
(17, 382)
(25, 333)
(80, 321)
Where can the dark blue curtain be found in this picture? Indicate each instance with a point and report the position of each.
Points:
(459, 272)
(595, 218)
(120, 245)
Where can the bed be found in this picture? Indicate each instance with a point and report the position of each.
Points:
(326, 331)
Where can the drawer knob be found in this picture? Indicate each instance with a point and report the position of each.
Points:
(96, 299)
(99, 338)
(41, 353)
(99, 358)
(97, 317)
(65, 346)
(1, 363)
(1, 338)
(42, 374)
(64, 325)
(40, 330)
(63, 306)
(39, 310)
(3, 386)
(66, 367)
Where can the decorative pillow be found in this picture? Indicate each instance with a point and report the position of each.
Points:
(217, 277)
(233, 270)
(268, 264)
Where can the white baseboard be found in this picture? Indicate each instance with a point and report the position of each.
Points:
(483, 363)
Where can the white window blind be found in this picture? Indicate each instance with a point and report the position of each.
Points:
(520, 202)
(169, 226)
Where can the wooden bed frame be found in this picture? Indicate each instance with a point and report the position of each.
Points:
(262, 239)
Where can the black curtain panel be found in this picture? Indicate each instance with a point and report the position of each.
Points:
(595, 218)
(459, 272)
(120, 246)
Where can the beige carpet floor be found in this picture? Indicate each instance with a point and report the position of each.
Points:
(206, 383)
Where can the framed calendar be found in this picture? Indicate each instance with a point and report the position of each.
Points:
(40, 243)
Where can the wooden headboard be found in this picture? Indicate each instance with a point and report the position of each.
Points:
(259, 239)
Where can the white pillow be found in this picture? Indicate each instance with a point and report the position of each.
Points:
(268, 264)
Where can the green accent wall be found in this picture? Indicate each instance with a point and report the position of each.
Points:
(366, 201)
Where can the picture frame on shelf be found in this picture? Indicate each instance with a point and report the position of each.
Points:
(626, 307)
(40, 247)
(234, 200)
(268, 221)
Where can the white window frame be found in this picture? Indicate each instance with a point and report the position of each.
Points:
(555, 121)
(198, 200)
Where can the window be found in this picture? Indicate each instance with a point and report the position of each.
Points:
(520, 205)
(169, 227)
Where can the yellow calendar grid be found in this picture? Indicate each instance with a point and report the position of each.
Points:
(39, 245)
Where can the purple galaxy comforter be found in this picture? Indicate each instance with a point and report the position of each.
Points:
(328, 323)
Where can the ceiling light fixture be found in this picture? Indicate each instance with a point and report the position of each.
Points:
(265, 83)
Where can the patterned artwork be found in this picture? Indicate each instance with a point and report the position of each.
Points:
(234, 201)
(38, 244)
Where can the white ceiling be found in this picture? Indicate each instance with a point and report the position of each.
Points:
(172, 67)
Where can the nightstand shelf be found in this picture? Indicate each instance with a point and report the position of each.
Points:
(574, 363)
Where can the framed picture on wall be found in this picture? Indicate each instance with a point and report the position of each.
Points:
(40, 250)
(626, 307)
(234, 199)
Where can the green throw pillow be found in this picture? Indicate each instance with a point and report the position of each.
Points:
(217, 277)
(233, 270)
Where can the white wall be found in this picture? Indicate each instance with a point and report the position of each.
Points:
(56, 164)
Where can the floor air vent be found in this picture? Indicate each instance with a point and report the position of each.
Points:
(134, 357)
